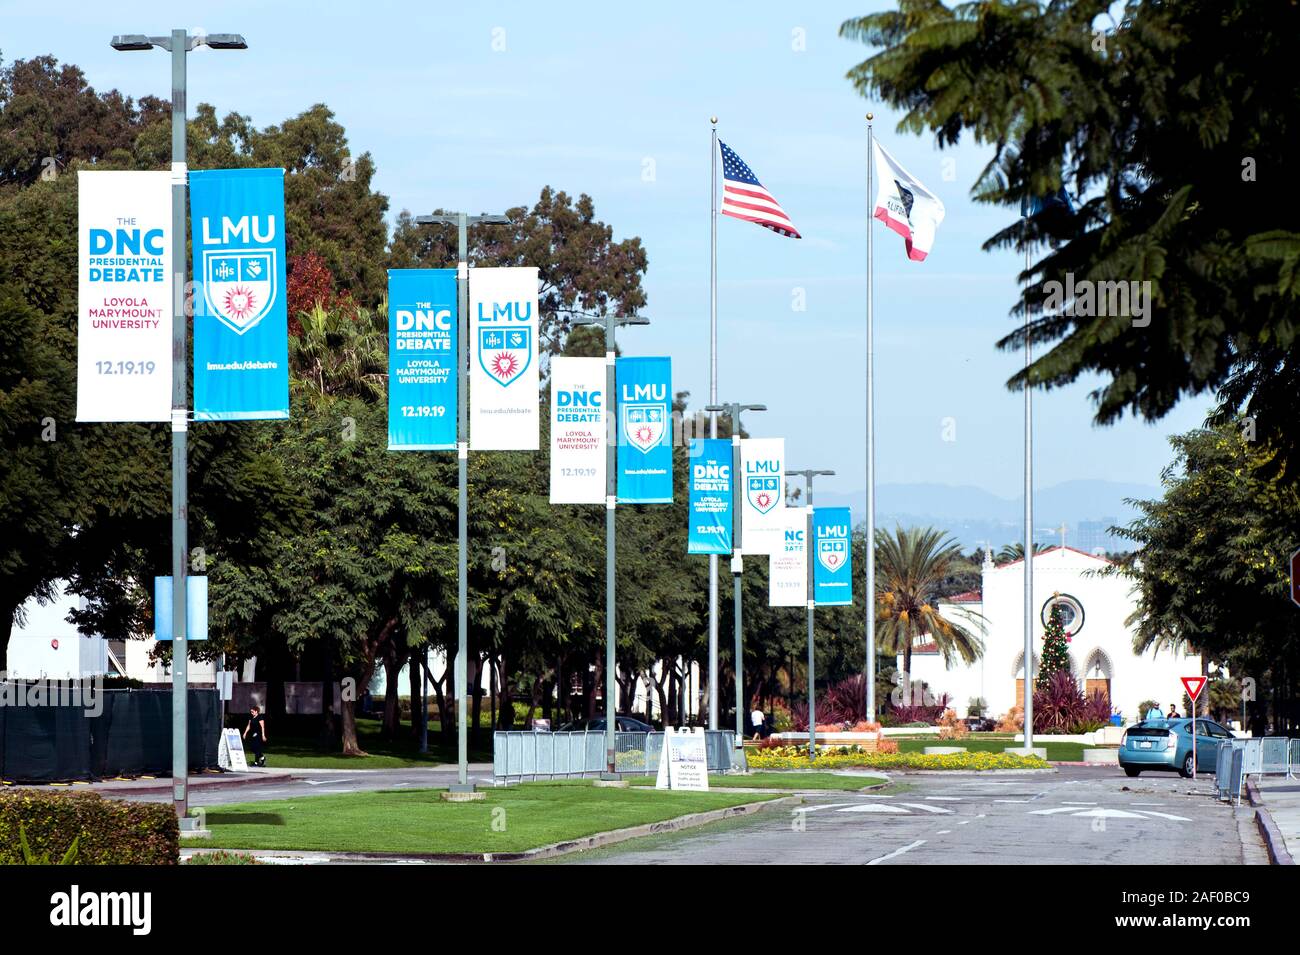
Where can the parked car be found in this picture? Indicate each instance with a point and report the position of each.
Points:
(1166, 745)
(623, 724)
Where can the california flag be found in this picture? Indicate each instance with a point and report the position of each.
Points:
(906, 206)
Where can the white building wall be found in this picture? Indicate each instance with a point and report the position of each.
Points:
(1104, 637)
(46, 645)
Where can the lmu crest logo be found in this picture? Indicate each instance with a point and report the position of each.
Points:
(832, 553)
(644, 424)
(239, 286)
(763, 492)
(504, 353)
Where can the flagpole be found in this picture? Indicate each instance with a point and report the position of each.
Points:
(1029, 516)
(713, 415)
(869, 598)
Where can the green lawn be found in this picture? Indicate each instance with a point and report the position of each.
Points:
(288, 752)
(1056, 752)
(783, 780)
(418, 821)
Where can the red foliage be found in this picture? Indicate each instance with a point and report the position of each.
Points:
(310, 283)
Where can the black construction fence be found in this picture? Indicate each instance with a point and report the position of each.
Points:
(56, 737)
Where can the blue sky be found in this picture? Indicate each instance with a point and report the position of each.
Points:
(479, 108)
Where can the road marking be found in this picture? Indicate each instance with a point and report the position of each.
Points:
(944, 798)
(963, 822)
(897, 852)
(1013, 800)
(834, 805)
(943, 832)
(1165, 815)
(1069, 803)
(922, 806)
(1107, 814)
(874, 807)
(1053, 811)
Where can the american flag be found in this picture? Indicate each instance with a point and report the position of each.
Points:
(743, 196)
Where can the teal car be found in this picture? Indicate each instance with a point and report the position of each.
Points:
(1166, 745)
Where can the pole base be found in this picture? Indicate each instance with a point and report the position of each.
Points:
(610, 781)
(466, 792)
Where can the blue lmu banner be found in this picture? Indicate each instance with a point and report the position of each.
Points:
(645, 430)
(710, 500)
(832, 557)
(241, 325)
(422, 324)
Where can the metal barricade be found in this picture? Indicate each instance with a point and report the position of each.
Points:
(1273, 756)
(518, 755)
(1293, 759)
(1223, 767)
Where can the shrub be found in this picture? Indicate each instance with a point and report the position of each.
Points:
(222, 857)
(1012, 722)
(951, 727)
(781, 719)
(1059, 706)
(887, 746)
(833, 757)
(106, 832)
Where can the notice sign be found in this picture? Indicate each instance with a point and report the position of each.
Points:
(124, 296)
(578, 438)
(684, 760)
(230, 751)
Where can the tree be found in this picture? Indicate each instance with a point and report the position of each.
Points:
(1160, 125)
(1211, 566)
(910, 567)
(580, 266)
(1056, 651)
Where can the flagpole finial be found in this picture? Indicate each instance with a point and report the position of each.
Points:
(713, 120)
(870, 117)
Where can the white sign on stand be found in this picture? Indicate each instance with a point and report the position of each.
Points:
(230, 751)
(684, 760)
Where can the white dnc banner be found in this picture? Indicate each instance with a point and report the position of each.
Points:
(578, 431)
(787, 568)
(761, 494)
(124, 296)
(503, 372)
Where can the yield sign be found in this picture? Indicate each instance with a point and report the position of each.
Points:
(1194, 685)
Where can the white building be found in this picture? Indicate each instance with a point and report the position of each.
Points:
(46, 646)
(1095, 610)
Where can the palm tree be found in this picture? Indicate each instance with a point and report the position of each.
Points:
(911, 566)
(1016, 551)
(340, 352)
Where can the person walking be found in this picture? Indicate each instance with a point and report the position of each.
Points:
(255, 734)
(757, 719)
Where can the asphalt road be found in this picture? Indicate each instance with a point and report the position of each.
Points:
(1076, 816)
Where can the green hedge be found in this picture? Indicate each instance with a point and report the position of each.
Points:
(112, 832)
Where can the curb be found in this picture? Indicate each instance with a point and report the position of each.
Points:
(594, 841)
(197, 784)
(1278, 854)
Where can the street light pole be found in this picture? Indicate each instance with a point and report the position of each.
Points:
(179, 44)
(462, 222)
(734, 410)
(808, 474)
(610, 323)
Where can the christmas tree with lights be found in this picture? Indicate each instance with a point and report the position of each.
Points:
(1056, 650)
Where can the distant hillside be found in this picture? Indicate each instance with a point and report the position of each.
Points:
(975, 516)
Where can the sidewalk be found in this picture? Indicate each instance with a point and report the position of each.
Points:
(1281, 798)
(161, 784)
